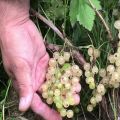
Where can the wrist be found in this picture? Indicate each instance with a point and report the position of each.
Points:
(13, 11)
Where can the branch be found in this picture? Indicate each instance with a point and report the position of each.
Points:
(102, 19)
(76, 54)
(52, 26)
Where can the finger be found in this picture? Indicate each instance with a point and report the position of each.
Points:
(41, 69)
(23, 81)
(43, 110)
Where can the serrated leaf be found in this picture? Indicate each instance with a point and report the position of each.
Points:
(74, 8)
(96, 3)
(86, 16)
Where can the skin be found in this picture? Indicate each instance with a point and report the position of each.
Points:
(24, 56)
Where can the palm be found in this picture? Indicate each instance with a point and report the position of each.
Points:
(25, 60)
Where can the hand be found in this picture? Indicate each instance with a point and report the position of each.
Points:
(25, 60)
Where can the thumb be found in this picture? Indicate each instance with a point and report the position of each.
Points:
(24, 87)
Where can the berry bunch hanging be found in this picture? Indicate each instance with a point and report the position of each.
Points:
(62, 84)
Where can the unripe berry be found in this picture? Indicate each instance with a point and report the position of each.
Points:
(92, 85)
(89, 80)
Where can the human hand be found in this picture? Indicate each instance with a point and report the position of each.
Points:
(25, 59)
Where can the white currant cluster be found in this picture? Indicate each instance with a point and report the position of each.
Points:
(110, 77)
(91, 70)
(62, 84)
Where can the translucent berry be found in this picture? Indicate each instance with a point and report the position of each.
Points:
(66, 56)
(56, 55)
(92, 85)
(93, 100)
(90, 51)
(98, 98)
(95, 69)
(87, 66)
(63, 112)
(102, 72)
(90, 108)
(101, 89)
(117, 24)
(52, 62)
(61, 60)
(110, 69)
(70, 113)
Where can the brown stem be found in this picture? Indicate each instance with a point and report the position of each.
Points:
(102, 19)
(76, 54)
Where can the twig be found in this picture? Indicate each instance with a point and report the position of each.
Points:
(102, 19)
(52, 26)
(77, 55)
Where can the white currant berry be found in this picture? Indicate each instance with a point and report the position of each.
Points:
(116, 85)
(64, 79)
(87, 73)
(93, 100)
(61, 60)
(57, 92)
(101, 89)
(66, 103)
(95, 69)
(118, 69)
(87, 66)
(90, 108)
(110, 69)
(111, 58)
(90, 51)
(117, 63)
(102, 72)
(56, 55)
(49, 100)
(45, 95)
(44, 87)
(105, 80)
(75, 68)
(92, 85)
(98, 98)
(89, 80)
(117, 24)
(75, 80)
(70, 113)
(96, 53)
(67, 85)
(52, 62)
(115, 76)
(63, 112)
(66, 56)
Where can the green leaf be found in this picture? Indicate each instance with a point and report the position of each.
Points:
(74, 8)
(86, 16)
